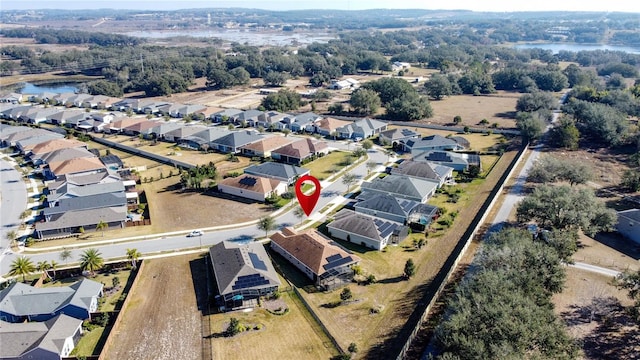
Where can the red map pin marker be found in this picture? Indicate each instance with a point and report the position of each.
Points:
(307, 202)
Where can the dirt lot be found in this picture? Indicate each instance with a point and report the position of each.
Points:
(173, 210)
(615, 338)
(162, 318)
(497, 108)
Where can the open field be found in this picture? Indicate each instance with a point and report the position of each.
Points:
(393, 297)
(615, 338)
(163, 317)
(294, 335)
(496, 108)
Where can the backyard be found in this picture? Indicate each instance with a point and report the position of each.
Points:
(163, 317)
(497, 108)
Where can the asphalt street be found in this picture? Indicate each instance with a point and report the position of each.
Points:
(158, 243)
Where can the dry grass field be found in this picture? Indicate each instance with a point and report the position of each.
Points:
(162, 318)
(294, 335)
(496, 108)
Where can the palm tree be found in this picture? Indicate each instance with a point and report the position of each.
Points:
(65, 255)
(22, 266)
(133, 255)
(53, 266)
(43, 266)
(91, 260)
(102, 226)
(12, 236)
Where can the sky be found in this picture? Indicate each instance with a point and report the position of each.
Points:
(475, 5)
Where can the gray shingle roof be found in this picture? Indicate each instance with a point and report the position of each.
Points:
(234, 262)
(431, 142)
(366, 226)
(237, 139)
(401, 186)
(632, 214)
(23, 300)
(74, 219)
(416, 169)
(388, 204)
(21, 338)
(96, 201)
(276, 170)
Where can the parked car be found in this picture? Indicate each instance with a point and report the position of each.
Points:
(195, 233)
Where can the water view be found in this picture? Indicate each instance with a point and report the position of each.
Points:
(29, 88)
(557, 47)
(250, 37)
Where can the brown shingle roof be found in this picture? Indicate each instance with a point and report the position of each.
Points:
(311, 248)
(331, 124)
(261, 185)
(56, 144)
(302, 148)
(76, 165)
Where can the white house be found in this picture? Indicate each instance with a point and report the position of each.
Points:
(629, 224)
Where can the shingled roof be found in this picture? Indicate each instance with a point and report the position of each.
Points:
(316, 252)
(241, 267)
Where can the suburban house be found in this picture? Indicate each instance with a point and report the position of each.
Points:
(279, 171)
(399, 186)
(7, 130)
(273, 120)
(301, 121)
(12, 98)
(41, 150)
(231, 142)
(69, 223)
(53, 339)
(424, 170)
(139, 128)
(348, 83)
(13, 112)
(61, 155)
(62, 99)
(361, 129)
(395, 136)
(371, 232)
(63, 117)
(202, 139)
(629, 224)
(252, 187)
(180, 110)
(327, 126)
(73, 166)
(37, 115)
(322, 260)
(117, 126)
(227, 115)
(26, 140)
(298, 151)
(182, 132)
(207, 112)
(249, 117)
(162, 128)
(42, 97)
(458, 161)
(395, 209)
(243, 273)
(21, 302)
(431, 142)
(262, 148)
(73, 186)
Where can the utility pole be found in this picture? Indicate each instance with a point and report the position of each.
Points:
(142, 63)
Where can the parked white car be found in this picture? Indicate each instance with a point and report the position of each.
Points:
(195, 233)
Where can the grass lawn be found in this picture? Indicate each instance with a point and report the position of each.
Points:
(111, 295)
(294, 335)
(323, 167)
(92, 342)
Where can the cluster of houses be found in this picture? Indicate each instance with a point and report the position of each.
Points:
(380, 216)
(84, 189)
(45, 323)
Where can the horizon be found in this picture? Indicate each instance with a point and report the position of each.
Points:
(288, 5)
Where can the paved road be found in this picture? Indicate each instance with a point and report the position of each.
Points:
(13, 201)
(175, 243)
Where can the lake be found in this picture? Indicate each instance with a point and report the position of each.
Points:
(240, 36)
(29, 88)
(574, 47)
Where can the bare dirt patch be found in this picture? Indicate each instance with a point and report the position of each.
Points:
(162, 317)
(593, 310)
(172, 210)
(497, 108)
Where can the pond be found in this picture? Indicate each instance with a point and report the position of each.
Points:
(574, 47)
(29, 88)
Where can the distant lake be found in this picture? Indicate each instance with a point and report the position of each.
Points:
(240, 36)
(574, 47)
(29, 88)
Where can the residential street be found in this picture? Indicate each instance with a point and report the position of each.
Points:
(13, 201)
(159, 243)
